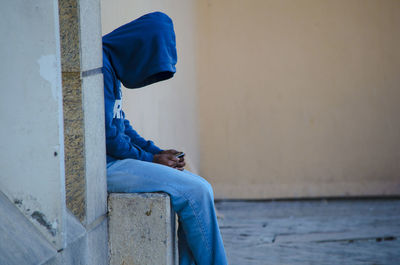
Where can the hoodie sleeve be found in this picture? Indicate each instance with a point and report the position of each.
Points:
(118, 144)
(136, 139)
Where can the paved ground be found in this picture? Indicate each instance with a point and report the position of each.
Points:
(354, 232)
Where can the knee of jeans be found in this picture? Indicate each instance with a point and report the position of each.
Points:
(206, 190)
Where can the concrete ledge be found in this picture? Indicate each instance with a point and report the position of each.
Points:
(142, 229)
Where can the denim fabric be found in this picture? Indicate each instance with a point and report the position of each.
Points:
(199, 238)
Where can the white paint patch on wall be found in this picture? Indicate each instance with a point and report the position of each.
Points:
(47, 64)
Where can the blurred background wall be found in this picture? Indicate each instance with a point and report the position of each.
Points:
(278, 98)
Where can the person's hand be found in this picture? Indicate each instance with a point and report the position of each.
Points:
(166, 159)
(180, 164)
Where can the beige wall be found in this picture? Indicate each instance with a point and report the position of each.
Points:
(295, 98)
(300, 98)
(165, 112)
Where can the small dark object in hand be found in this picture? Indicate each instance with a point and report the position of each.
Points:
(180, 154)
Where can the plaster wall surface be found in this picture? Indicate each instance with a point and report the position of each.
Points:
(31, 134)
(300, 98)
(165, 112)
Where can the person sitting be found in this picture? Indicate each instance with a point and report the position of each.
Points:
(138, 54)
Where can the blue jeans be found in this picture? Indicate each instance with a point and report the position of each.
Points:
(199, 238)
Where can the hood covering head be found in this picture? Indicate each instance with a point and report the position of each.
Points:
(143, 51)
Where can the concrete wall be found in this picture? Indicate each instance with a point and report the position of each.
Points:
(300, 98)
(31, 134)
(45, 91)
(165, 112)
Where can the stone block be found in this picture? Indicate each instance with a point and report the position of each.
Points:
(69, 34)
(74, 141)
(142, 229)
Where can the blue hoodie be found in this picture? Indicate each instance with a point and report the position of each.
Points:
(137, 54)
